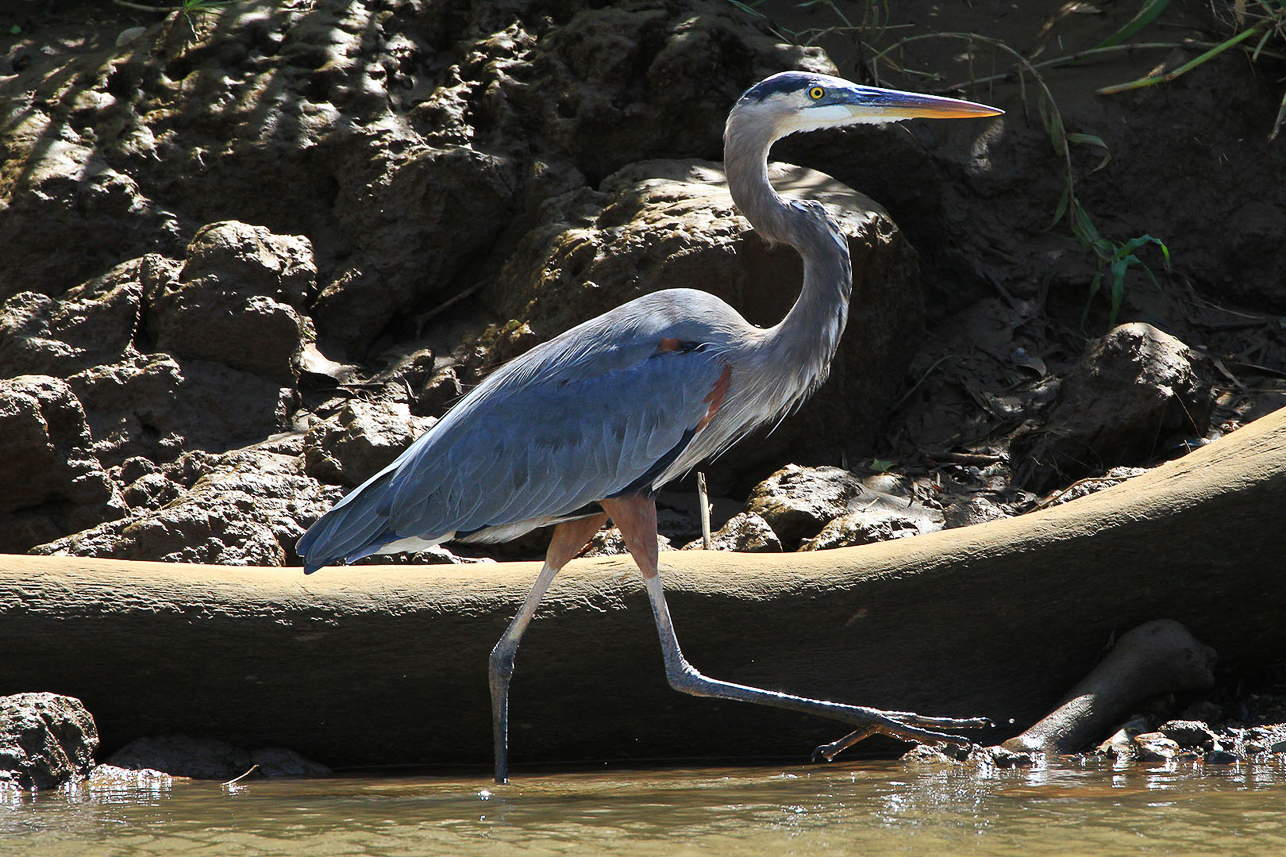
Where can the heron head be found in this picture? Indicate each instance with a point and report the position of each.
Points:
(795, 101)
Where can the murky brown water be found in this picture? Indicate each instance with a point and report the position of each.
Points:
(867, 809)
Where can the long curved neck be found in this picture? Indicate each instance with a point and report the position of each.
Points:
(806, 339)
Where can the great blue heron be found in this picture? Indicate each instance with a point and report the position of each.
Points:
(590, 424)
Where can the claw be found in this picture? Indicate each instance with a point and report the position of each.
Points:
(905, 726)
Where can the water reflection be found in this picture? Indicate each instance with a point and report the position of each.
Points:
(880, 808)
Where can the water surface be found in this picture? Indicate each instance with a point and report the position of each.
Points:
(863, 808)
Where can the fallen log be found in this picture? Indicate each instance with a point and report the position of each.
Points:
(384, 665)
(1156, 658)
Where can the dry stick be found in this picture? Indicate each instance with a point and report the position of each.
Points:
(167, 9)
(704, 499)
(253, 768)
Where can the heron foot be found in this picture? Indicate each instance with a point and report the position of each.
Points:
(905, 726)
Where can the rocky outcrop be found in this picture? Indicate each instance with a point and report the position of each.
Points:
(363, 438)
(798, 501)
(240, 508)
(237, 301)
(746, 532)
(45, 740)
(50, 482)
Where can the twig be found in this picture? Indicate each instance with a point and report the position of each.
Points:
(704, 499)
(975, 458)
(253, 768)
(423, 318)
(142, 8)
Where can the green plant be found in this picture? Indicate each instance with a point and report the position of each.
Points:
(1113, 259)
(1262, 18)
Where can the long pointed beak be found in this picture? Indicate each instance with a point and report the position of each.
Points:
(892, 104)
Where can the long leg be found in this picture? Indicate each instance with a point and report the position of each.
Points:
(636, 517)
(567, 541)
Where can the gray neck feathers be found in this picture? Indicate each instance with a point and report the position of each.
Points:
(803, 344)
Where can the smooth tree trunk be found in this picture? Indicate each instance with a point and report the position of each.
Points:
(386, 665)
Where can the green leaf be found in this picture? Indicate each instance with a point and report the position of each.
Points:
(1086, 227)
(1061, 208)
(1092, 140)
(1145, 16)
(1095, 285)
(15, 30)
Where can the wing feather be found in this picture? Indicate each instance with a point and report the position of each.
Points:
(600, 410)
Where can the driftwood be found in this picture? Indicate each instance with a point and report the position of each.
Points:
(1156, 658)
(383, 665)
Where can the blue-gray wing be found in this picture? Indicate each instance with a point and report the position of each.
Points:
(528, 448)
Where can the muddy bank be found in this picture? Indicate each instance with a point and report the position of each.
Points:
(302, 232)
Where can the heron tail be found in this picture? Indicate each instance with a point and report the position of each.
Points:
(356, 527)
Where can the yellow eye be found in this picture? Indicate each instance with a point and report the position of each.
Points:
(816, 93)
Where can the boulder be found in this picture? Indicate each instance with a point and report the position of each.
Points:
(45, 740)
(50, 481)
(1190, 734)
(239, 508)
(91, 324)
(879, 517)
(1136, 394)
(797, 502)
(745, 532)
(237, 300)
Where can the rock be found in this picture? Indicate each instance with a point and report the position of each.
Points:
(797, 502)
(609, 542)
(1121, 742)
(111, 778)
(1189, 734)
(50, 481)
(1137, 392)
(210, 759)
(237, 300)
(1003, 757)
(745, 531)
(363, 439)
(45, 740)
(880, 517)
(91, 324)
(181, 756)
(239, 508)
(974, 509)
(928, 756)
(151, 405)
(662, 224)
(1155, 747)
(1219, 757)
